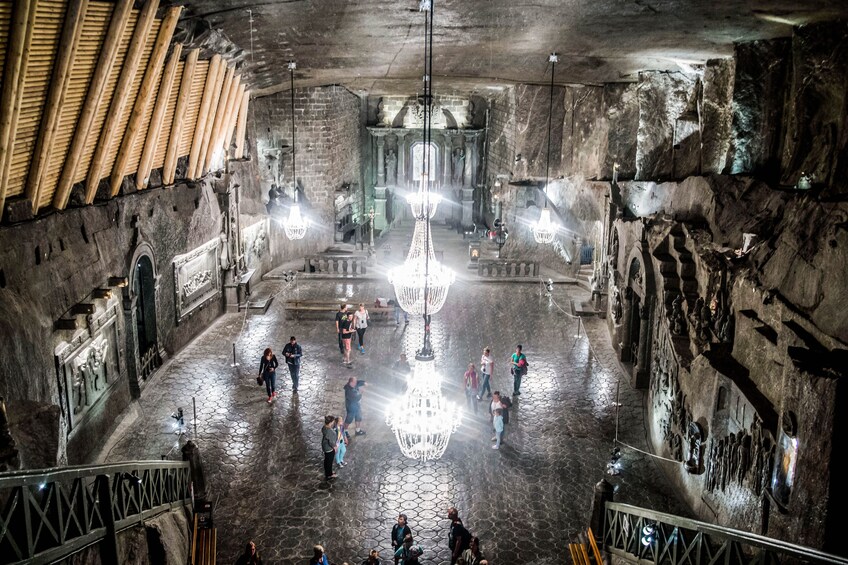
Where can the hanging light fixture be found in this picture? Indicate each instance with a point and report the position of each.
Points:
(295, 225)
(423, 421)
(421, 284)
(545, 229)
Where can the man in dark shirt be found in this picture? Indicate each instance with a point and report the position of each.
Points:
(353, 406)
(400, 373)
(341, 315)
(293, 352)
(459, 539)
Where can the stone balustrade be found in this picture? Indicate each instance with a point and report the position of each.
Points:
(507, 268)
(343, 265)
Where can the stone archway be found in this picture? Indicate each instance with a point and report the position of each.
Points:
(141, 318)
(638, 308)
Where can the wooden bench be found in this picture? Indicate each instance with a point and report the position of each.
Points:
(580, 555)
(595, 551)
(204, 545)
(300, 306)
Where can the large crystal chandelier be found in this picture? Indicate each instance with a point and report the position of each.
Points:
(421, 284)
(545, 229)
(422, 198)
(423, 421)
(295, 225)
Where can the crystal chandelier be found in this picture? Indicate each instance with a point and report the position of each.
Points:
(545, 229)
(421, 275)
(423, 198)
(295, 226)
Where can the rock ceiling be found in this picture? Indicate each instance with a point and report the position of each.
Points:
(376, 46)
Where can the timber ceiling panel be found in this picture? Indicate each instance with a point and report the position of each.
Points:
(197, 86)
(45, 39)
(5, 18)
(138, 146)
(165, 132)
(103, 108)
(94, 26)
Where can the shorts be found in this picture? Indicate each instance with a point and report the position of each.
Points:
(346, 342)
(353, 414)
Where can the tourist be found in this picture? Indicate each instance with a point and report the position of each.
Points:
(250, 555)
(408, 554)
(486, 366)
(373, 558)
(497, 404)
(341, 441)
(293, 352)
(319, 557)
(471, 387)
(398, 312)
(498, 425)
(361, 322)
(473, 555)
(341, 315)
(400, 373)
(400, 531)
(353, 404)
(519, 369)
(328, 446)
(346, 325)
(459, 538)
(268, 373)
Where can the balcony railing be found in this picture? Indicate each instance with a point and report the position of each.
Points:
(49, 514)
(644, 536)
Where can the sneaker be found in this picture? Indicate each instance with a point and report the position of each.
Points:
(397, 323)
(274, 394)
(406, 322)
(516, 393)
(360, 432)
(342, 463)
(270, 399)
(333, 476)
(478, 398)
(495, 447)
(362, 350)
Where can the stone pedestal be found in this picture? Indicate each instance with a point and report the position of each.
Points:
(381, 160)
(467, 207)
(380, 208)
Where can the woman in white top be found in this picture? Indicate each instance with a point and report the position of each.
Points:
(486, 364)
(361, 318)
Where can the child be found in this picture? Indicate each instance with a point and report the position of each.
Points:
(498, 424)
(471, 386)
(341, 441)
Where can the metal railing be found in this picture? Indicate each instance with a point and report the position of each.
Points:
(49, 514)
(644, 536)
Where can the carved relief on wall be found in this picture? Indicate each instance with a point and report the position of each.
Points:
(415, 114)
(196, 278)
(256, 244)
(744, 458)
(670, 407)
(88, 366)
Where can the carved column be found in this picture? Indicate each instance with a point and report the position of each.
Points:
(381, 160)
(468, 174)
(626, 321)
(401, 160)
(642, 373)
(447, 157)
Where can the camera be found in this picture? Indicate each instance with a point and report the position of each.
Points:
(360, 383)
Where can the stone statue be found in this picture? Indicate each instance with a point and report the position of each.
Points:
(617, 311)
(676, 447)
(458, 166)
(693, 460)
(391, 168)
(469, 115)
(678, 325)
(725, 334)
(381, 114)
(613, 256)
(224, 258)
(78, 392)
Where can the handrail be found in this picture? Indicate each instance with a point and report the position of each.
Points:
(676, 540)
(49, 514)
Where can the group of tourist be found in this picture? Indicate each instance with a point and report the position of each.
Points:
(464, 547)
(349, 324)
(292, 353)
(334, 434)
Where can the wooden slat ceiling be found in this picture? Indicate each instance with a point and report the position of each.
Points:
(36, 85)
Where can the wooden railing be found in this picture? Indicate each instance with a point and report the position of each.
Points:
(507, 268)
(346, 265)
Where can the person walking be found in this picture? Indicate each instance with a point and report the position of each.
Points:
(328, 446)
(361, 319)
(268, 372)
(471, 387)
(400, 531)
(459, 538)
(487, 364)
(473, 555)
(341, 315)
(341, 441)
(496, 404)
(353, 404)
(408, 553)
(398, 312)
(293, 352)
(519, 369)
(319, 557)
(400, 373)
(498, 425)
(373, 558)
(346, 325)
(250, 555)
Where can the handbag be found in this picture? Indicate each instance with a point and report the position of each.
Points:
(260, 381)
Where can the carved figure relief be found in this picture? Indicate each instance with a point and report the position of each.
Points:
(255, 239)
(613, 256)
(678, 321)
(196, 283)
(617, 310)
(744, 458)
(694, 458)
(458, 160)
(197, 277)
(391, 168)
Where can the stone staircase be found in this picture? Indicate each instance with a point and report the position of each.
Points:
(677, 267)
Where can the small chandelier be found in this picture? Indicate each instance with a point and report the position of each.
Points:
(421, 283)
(422, 198)
(545, 229)
(295, 226)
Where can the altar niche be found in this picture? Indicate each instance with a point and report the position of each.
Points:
(141, 307)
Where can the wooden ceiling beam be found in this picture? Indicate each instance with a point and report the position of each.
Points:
(172, 154)
(120, 98)
(106, 59)
(228, 133)
(222, 121)
(17, 59)
(66, 53)
(145, 93)
(213, 74)
(218, 101)
(166, 84)
(241, 129)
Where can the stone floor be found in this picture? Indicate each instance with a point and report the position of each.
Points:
(525, 502)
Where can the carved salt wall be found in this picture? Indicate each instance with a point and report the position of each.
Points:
(197, 279)
(257, 245)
